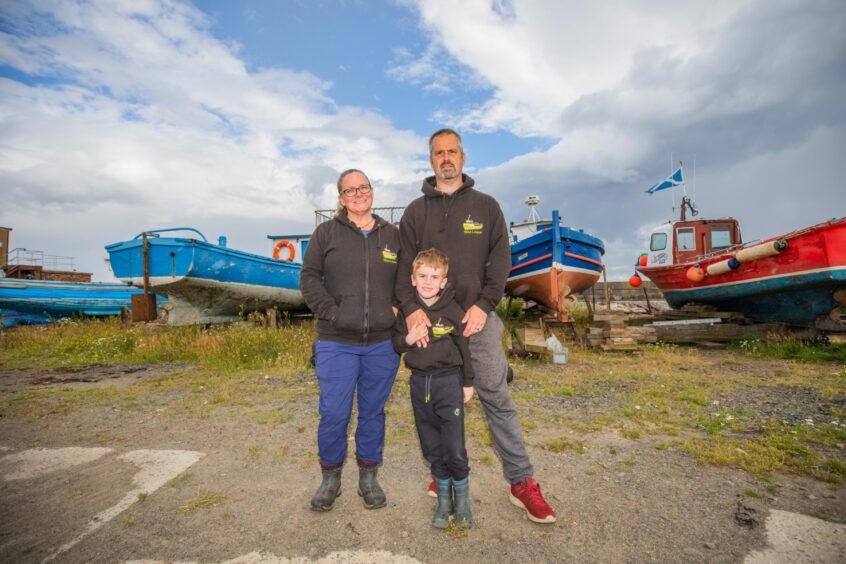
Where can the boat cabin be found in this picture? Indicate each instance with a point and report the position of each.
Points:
(289, 248)
(679, 242)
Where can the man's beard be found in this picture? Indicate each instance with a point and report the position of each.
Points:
(449, 174)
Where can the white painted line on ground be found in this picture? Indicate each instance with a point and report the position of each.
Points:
(794, 537)
(156, 468)
(39, 461)
(343, 557)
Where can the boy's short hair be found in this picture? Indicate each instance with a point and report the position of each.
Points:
(431, 257)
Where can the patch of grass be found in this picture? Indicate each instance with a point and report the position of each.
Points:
(109, 341)
(633, 434)
(172, 483)
(695, 399)
(487, 460)
(752, 493)
(563, 444)
(792, 349)
(590, 472)
(778, 447)
(772, 489)
(254, 452)
(142, 496)
(128, 522)
(455, 532)
(208, 499)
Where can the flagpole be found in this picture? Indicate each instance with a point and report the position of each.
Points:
(672, 194)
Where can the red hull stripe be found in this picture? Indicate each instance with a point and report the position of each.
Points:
(580, 257)
(533, 261)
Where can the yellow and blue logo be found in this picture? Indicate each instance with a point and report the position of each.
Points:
(440, 329)
(472, 227)
(388, 255)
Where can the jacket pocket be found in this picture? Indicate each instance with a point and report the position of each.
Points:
(350, 315)
(381, 315)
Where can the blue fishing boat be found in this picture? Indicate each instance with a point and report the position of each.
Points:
(35, 301)
(206, 282)
(550, 262)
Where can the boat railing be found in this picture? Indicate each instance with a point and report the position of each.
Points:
(154, 232)
(391, 214)
(29, 257)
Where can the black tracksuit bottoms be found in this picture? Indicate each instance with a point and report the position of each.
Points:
(438, 403)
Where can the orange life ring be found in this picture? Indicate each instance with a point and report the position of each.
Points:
(279, 246)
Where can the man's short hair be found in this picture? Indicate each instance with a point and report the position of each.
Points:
(445, 131)
(433, 258)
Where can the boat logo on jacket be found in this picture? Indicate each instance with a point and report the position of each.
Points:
(472, 227)
(388, 255)
(440, 329)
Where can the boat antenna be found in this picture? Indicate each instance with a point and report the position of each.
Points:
(532, 201)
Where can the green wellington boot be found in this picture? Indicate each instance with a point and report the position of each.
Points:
(444, 507)
(463, 518)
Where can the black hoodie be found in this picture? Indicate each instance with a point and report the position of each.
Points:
(469, 227)
(447, 345)
(348, 280)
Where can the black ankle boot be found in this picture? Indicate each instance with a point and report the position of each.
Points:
(369, 489)
(329, 489)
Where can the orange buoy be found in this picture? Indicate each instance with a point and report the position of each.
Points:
(281, 245)
(642, 260)
(635, 281)
(695, 273)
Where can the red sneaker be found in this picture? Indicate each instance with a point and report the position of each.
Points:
(527, 495)
(432, 490)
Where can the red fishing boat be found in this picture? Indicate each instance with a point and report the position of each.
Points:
(798, 278)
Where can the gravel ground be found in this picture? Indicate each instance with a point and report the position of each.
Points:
(621, 501)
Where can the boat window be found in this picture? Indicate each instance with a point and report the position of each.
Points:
(658, 242)
(720, 236)
(685, 239)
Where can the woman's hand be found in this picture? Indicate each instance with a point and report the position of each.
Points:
(468, 393)
(416, 333)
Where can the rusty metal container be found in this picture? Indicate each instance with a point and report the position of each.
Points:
(144, 307)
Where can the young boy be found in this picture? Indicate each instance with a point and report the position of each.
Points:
(441, 381)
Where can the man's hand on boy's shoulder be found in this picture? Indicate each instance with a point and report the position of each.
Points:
(468, 393)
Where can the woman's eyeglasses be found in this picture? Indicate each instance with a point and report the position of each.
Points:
(363, 189)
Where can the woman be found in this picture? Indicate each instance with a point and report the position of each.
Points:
(348, 281)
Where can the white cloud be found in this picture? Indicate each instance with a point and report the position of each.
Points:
(136, 111)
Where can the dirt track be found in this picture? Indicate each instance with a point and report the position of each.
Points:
(621, 501)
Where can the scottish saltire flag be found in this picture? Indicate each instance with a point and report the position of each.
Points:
(671, 181)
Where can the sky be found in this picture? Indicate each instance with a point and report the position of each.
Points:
(236, 118)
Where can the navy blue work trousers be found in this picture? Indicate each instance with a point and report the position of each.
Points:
(343, 370)
(438, 404)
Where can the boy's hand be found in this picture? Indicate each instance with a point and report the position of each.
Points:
(416, 333)
(416, 318)
(468, 393)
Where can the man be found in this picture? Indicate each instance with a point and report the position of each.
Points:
(468, 226)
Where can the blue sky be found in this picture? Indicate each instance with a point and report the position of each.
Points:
(236, 117)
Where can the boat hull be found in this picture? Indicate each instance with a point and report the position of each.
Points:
(553, 264)
(796, 286)
(63, 299)
(208, 283)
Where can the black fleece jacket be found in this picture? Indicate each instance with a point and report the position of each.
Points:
(348, 280)
(469, 227)
(447, 345)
